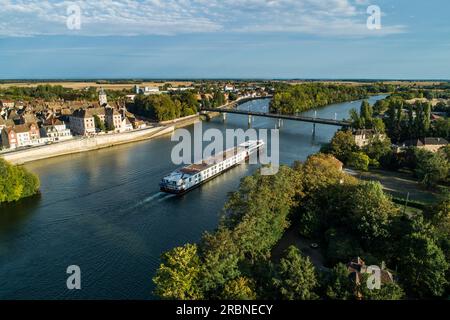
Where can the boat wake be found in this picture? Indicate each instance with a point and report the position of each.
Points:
(154, 198)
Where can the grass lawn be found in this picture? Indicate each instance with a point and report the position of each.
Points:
(399, 184)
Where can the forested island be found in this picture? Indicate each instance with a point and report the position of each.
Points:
(349, 218)
(166, 107)
(292, 99)
(16, 183)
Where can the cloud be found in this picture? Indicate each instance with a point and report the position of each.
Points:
(171, 17)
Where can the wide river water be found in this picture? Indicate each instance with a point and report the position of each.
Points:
(103, 211)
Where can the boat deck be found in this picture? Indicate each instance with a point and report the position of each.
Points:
(222, 156)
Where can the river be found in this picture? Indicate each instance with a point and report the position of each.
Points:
(102, 211)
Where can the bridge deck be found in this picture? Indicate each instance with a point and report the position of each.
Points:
(331, 122)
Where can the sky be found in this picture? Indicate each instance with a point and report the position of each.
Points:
(180, 39)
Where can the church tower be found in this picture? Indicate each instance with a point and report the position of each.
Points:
(102, 98)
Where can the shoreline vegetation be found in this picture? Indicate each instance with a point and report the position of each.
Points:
(403, 122)
(16, 183)
(345, 216)
(292, 99)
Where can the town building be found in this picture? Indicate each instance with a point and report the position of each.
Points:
(102, 98)
(151, 90)
(56, 131)
(431, 144)
(130, 97)
(138, 124)
(21, 135)
(229, 88)
(126, 125)
(357, 268)
(7, 104)
(113, 119)
(364, 136)
(82, 122)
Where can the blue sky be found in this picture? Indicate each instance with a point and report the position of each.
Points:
(225, 39)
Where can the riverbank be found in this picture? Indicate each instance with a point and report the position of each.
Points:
(85, 144)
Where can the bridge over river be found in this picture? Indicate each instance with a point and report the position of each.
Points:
(314, 120)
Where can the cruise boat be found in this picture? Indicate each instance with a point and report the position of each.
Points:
(187, 178)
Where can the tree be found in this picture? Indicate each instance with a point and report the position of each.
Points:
(427, 118)
(343, 145)
(257, 215)
(378, 149)
(100, 125)
(369, 211)
(220, 260)
(359, 161)
(239, 289)
(298, 98)
(356, 119)
(16, 182)
(422, 266)
(387, 291)
(341, 246)
(441, 128)
(378, 125)
(431, 168)
(318, 174)
(296, 277)
(338, 284)
(366, 114)
(159, 107)
(178, 276)
(31, 184)
(218, 99)
(439, 213)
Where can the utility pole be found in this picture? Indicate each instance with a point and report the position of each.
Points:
(406, 203)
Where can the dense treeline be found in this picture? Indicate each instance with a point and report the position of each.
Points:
(393, 119)
(290, 99)
(16, 182)
(430, 168)
(405, 121)
(164, 107)
(303, 97)
(51, 93)
(216, 100)
(348, 217)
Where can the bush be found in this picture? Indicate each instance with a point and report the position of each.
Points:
(431, 168)
(359, 161)
(16, 182)
(342, 145)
